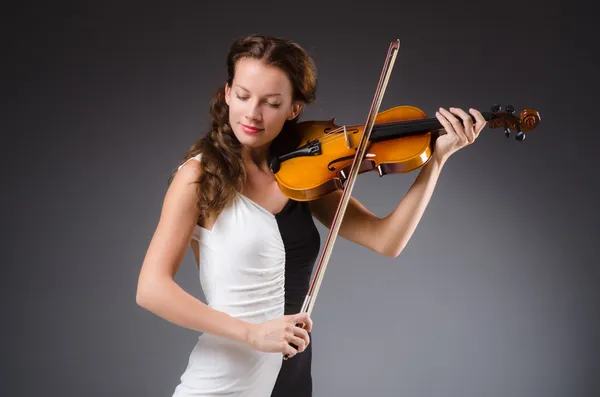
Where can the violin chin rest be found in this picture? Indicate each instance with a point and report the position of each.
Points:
(274, 164)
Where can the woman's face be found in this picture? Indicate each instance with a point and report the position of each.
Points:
(260, 101)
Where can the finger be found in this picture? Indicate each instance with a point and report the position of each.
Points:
(304, 319)
(456, 124)
(302, 333)
(288, 350)
(451, 118)
(445, 123)
(467, 123)
(299, 343)
(308, 324)
(480, 121)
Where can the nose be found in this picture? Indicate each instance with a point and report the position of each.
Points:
(254, 112)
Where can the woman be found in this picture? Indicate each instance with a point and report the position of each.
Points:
(256, 248)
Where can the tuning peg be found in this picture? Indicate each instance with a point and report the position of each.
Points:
(520, 134)
(496, 108)
(510, 109)
(506, 130)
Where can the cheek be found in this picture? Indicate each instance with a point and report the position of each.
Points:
(277, 117)
(234, 113)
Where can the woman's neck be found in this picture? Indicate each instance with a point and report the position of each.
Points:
(257, 157)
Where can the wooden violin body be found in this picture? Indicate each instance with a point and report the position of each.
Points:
(402, 140)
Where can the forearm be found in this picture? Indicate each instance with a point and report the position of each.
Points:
(166, 299)
(397, 228)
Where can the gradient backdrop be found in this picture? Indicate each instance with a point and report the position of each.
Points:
(495, 295)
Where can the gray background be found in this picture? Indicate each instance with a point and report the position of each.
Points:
(495, 295)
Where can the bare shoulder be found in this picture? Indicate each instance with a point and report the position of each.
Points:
(188, 172)
(179, 215)
(182, 195)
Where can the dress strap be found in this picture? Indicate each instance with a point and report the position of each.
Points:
(196, 157)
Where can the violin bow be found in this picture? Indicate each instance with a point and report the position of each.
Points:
(317, 278)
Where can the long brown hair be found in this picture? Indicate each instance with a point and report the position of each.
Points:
(223, 171)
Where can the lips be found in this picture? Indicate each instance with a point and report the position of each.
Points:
(250, 130)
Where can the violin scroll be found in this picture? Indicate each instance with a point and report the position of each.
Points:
(526, 121)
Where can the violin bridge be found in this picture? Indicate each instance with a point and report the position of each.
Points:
(347, 138)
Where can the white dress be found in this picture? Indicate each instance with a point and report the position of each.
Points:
(242, 273)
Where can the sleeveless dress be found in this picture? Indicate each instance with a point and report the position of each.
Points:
(255, 266)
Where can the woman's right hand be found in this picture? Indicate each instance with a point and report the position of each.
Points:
(276, 335)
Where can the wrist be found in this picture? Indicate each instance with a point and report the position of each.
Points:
(246, 334)
(439, 159)
(236, 329)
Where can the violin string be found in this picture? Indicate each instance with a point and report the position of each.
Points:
(333, 136)
(330, 138)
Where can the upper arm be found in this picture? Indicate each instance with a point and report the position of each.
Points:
(359, 225)
(178, 217)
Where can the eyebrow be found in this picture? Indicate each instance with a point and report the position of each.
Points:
(275, 94)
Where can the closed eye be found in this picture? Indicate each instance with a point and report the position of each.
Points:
(273, 105)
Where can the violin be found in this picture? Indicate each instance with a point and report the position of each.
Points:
(402, 140)
(397, 140)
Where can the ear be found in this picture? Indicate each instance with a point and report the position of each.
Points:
(296, 108)
(227, 93)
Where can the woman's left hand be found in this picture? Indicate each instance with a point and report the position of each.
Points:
(458, 135)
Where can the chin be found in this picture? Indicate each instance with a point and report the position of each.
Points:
(256, 141)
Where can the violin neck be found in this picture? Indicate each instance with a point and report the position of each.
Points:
(385, 131)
